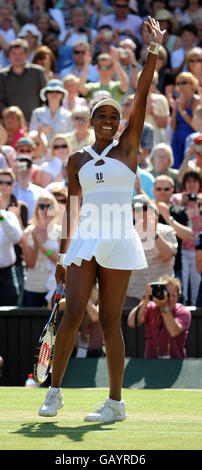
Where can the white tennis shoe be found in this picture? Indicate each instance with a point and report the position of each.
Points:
(110, 411)
(52, 403)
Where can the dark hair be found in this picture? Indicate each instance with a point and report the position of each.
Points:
(41, 52)
(189, 27)
(192, 173)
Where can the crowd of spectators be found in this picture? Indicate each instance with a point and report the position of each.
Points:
(57, 58)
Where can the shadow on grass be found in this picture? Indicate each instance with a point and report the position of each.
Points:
(50, 429)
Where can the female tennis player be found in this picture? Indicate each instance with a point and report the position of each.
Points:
(102, 178)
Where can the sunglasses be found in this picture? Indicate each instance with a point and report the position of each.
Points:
(23, 150)
(8, 183)
(80, 118)
(104, 67)
(183, 82)
(195, 60)
(62, 146)
(163, 189)
(62, 201)
(44, 206)
(118, 5)
(79, 52)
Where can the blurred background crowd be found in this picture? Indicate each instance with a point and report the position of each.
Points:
(57, 59)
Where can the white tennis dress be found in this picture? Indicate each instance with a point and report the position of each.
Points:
(105, 228)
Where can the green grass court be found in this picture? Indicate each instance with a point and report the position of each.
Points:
(157, 420)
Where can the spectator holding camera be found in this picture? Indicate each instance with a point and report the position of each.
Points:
(190, 198)
(194, 150)
(166, 321)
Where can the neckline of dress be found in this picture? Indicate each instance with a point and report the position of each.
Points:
(103, 154)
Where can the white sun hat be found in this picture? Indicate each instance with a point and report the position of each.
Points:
(107, 102)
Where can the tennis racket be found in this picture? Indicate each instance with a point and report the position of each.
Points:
(44, 352)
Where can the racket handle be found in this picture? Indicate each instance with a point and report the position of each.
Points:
(59, 290)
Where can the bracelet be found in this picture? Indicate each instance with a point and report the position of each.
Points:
(165, 309)
(49, 253)
(60, 259)
(171, 220)
(154, 47)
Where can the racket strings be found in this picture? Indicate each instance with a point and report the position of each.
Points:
(45, 354)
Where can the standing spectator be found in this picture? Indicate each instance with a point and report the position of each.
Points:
(123, 22)
(182, 113)
(78, 64)
(105, 38)
(174, 215)
(167, 322)
(8, 31)
(157, 112)
(189, 162)
(71, 85)
(10, 234)
(44, 56)
(21, 80)
(24, 190)
(9, 202)
(53, 116)
(198, 248)
(83, 133)
(40, 248)
(14, 123)
(107, 64)
(190, 197)
(160, 250)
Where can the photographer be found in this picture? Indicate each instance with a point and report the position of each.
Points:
(166, 321)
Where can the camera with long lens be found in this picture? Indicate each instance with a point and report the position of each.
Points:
(158, 290)
(192, 197)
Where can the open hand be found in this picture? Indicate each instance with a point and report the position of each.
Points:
(154, 30)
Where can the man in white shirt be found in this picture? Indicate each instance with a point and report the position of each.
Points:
(10, 234)
(127, 25)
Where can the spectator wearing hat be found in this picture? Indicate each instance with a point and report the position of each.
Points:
(160, 246)
(24, 190)
(21, 80)
(53, 116)
(33, 36)
(168, 22)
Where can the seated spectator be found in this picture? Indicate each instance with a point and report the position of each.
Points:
(51, 170)
(63, 54)
(188, 36)
(79, 30)
(197, 126)
(126, 25)
(45, 57)
(14, 122)
(192, 10)
(10, 234)
(9, 202)
(8, 31)
(44, 23)
(105, 38)
(53, 116)
(76, 67)
(160, 245)
(166, 82)
(24, 190)
(21, 80)
(108, 65)
(40, 248)
(7, 156)
(83, 133)
(195, 149)
(193, 59)
(190, 197)
(161, 161)
(182, 113)
(173, 215)
(54, 14)
(157, 112)
(33, 36)
(71, 85)
(198, 248)
(129, 64)
(40, 149)
(167, 322)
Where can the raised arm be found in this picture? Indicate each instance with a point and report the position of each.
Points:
(130, 138)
